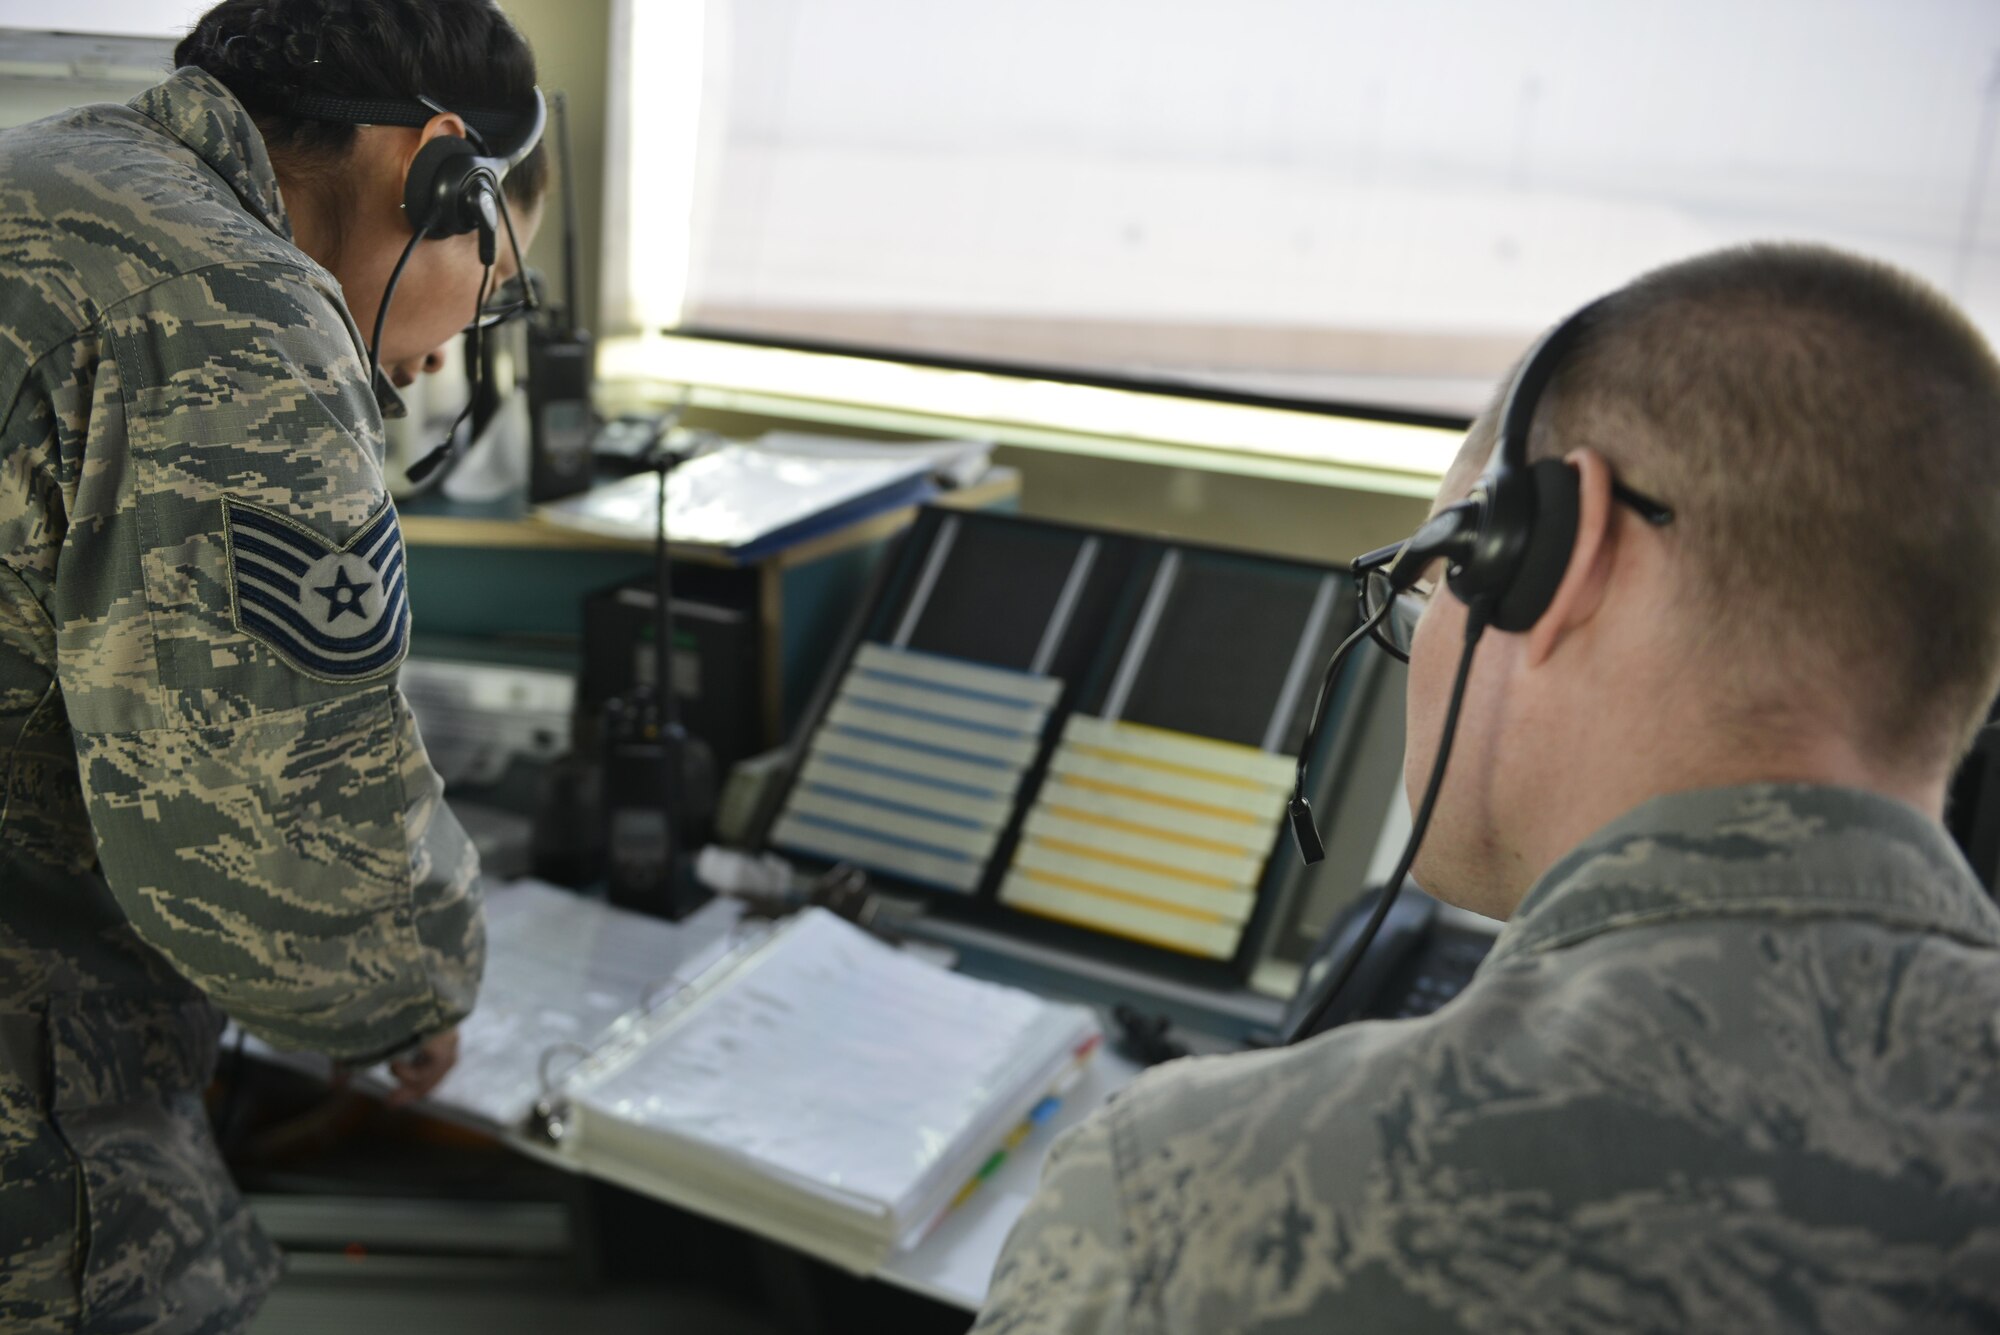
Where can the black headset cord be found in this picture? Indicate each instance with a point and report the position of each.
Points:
(389, 295)
(429, 471)
(1299, 811)
(528, 298)
(1477, 617)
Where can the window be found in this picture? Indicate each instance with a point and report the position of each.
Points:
(1337, 200)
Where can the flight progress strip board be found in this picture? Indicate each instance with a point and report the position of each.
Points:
(916, 767)
(1155, 835)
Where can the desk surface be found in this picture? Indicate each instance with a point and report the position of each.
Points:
(951, 1265)
(436, 522)
(955, 1262)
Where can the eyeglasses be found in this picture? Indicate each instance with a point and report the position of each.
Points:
(497, 313)
(1397, 628)
(510, 301)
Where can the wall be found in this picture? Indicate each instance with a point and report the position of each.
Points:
(572, 41)
(24, 100)
(1298, 519)
(44, 73)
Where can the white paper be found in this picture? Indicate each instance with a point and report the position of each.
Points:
(836, 1062)
(561, 968)
(743, 493)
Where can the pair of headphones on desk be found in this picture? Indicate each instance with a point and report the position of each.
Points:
(1506, 548)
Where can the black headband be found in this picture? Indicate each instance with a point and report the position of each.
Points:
(1538, 368)
(511, 133)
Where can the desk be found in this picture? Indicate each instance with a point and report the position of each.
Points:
(501, 1047)
(955, 1262)
(479, 571)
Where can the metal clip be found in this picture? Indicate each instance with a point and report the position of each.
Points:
(549, 1119)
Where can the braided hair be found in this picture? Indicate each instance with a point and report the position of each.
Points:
(464, 53)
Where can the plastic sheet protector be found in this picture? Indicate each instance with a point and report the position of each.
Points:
(825, 1078)
(917, 765)
(1150, 834)
(562, 969)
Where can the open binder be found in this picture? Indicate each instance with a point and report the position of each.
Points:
(805, 1082)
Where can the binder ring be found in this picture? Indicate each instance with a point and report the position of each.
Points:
(542, 1067)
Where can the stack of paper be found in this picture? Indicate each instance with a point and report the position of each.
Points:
(748, 499)
(1156, 835)
(822, 1089)
(561, 972)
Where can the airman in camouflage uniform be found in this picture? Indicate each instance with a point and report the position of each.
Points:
(214, 795)
(1734, 1065)
(1734, 1062)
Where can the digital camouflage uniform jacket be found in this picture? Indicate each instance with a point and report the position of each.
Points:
(1734, 1065)
(214, 795)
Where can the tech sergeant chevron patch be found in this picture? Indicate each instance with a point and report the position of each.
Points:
(335, 613)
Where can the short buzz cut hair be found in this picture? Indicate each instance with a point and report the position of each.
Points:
(1827, 431)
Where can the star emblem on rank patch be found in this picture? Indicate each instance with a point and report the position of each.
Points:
(292, 588)
(343, 595)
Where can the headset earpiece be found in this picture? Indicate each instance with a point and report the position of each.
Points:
(451, 189)
(1528, 512)
(1527, 527)
(1551, 538)
(422, 202)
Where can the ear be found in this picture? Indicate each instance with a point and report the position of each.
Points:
(1588, 573)
(445, 125)
(429, 196)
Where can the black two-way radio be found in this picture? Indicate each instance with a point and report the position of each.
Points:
(659, 783)
(561, 363)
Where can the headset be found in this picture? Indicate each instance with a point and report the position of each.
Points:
(1506, 547)
(454, 185)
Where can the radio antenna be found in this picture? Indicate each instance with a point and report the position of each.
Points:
(565, 164)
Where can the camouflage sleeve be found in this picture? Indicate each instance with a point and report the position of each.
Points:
(1064, 1270)
(230, 614)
